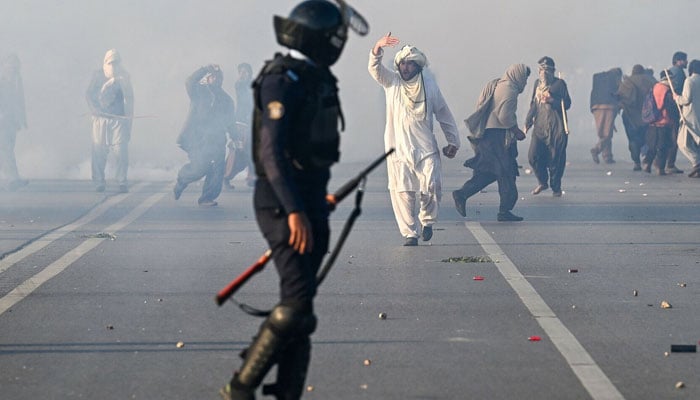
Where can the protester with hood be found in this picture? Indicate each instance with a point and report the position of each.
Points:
(604, 107)
(13, 117)
(689, 132)
(211, 117)
(296, 139)
(239, 157)
(412, 99)
(494, 132)
(547, 155)
(659, 133)
(111, 101)
(631, 93)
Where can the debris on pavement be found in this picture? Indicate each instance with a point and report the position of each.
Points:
(682, 284)
(367, 362)
(534, 338)
(468, 259)
(382, 315)
(180, 345)
(573, 270)
(680, 385)
(666, 304)
(101, 235)
(635, 293)
(478, 278)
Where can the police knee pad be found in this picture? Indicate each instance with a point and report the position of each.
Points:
(290, 321)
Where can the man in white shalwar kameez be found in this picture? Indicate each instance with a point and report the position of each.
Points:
(689, 132)
(414, 169)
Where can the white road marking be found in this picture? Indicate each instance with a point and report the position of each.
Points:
(44, 241)
(588, 372)
(58, 266)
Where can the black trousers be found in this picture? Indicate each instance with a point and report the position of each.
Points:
(297, 272)
(636, 136)
(507, 189)
(658, 143)
(548, 161)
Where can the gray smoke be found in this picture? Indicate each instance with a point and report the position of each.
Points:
(163, 41)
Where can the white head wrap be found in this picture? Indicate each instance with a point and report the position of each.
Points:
(112, 56)
(410, 53)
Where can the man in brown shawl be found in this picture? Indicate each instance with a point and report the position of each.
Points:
(494, 129)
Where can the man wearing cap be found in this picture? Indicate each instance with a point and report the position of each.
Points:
(547, 156)
(111, 101)
(414, 169)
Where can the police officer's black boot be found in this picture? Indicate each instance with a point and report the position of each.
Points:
(292, 367)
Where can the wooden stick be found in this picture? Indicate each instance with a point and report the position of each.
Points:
(563, 114)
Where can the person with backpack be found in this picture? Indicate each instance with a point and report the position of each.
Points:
(631, 93)
(659, 133)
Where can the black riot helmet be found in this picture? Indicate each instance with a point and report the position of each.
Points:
(319, 29)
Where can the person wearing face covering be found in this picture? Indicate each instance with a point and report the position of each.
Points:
(494, 132)
(547, 153)
(203, 138)
(12, 118)
(111, 101)
(412, 99)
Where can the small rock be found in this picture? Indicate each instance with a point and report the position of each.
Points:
(635, 293)
(180, 345)
(666, 304)
(609, 173)
(363, 386)
(665, 353)
(367, 362)
(680, 385)
(573, 270)
(382, 315)
(682, 284)
(310, 388)
(110, 327)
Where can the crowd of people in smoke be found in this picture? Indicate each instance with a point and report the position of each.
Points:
(654, 136)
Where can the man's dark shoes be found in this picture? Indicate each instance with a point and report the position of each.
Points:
(427, 233)
(539, 189)
(460, 203)
(508, 216)
(637, 167)
(411, 241)
(594, 154)
(673, 170)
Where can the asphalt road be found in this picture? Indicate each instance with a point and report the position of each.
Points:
(96, 291)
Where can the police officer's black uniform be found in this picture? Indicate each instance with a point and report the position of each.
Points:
(295, 141)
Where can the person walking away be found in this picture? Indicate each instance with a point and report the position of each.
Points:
(680, 62)
(13, 117)
(111, 101)
(295, 142)
(604, 106)
(211, 117)
(494, 132)
(547, 155)
(689, 131)
(631, 93)
(659, 133)
(414, 169)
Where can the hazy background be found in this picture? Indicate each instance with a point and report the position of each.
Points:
(60, 44)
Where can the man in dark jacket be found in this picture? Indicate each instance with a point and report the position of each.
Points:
(547, 156)
(604, 106)
(211, 117)
(631, 93)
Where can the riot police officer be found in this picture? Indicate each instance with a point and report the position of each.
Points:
(295, 141)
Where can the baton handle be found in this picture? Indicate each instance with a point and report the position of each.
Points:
(225, 293)
(346, 189)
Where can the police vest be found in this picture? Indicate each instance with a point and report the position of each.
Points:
(315, 138)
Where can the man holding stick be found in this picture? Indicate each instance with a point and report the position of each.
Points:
(547, 115)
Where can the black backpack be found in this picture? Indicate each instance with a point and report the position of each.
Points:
(650, 112)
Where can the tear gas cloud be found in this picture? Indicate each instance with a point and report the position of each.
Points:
(60, 44)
